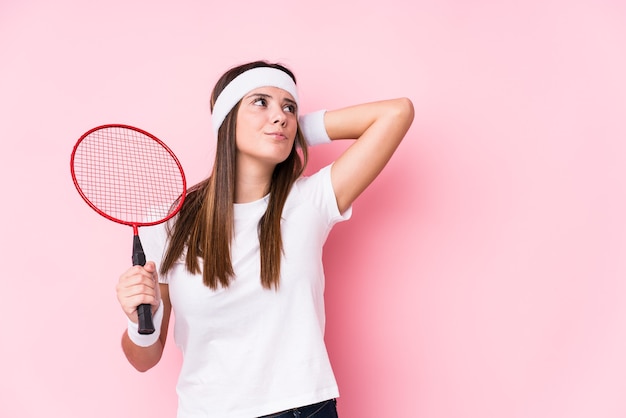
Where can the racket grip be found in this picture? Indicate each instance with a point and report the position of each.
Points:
(144, 315)
(144, 311)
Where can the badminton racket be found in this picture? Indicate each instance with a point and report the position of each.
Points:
(131, 177)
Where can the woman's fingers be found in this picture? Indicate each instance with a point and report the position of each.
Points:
(136, 286)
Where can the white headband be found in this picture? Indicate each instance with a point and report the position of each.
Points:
(246, 82)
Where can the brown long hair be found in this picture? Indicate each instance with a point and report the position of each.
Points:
(205, 224)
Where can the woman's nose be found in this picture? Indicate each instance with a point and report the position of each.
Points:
(279, 117)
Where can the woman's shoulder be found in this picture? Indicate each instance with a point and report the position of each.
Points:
(316, 192)
(311, 186)
(315, 179)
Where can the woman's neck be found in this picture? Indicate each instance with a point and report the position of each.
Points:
(252, 182)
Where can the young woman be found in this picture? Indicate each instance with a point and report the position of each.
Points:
(241, 264)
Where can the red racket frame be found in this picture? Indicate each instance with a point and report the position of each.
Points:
(135, 225)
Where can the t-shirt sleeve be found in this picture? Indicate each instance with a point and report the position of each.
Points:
(319, 188)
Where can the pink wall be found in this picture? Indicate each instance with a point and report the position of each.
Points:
(482, 275)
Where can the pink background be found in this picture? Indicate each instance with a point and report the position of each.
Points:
(482, 275)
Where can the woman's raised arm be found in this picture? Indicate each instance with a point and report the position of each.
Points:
(378, 128)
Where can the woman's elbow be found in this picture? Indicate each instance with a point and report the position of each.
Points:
(405, 109)
(401, 113)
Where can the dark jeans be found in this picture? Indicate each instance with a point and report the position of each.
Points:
(325, 409)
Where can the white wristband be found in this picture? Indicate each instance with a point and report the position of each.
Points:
(313, 128)
(146, 340)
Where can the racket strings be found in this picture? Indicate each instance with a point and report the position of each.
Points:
(128, 175)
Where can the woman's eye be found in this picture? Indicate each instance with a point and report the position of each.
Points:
(289, 108)
(261, 101)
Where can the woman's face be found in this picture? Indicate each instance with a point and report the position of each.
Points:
(267, 123)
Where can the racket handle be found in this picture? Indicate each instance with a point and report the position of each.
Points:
(144, 315)
(144, 311)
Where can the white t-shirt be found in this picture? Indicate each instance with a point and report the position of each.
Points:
(249, 351)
